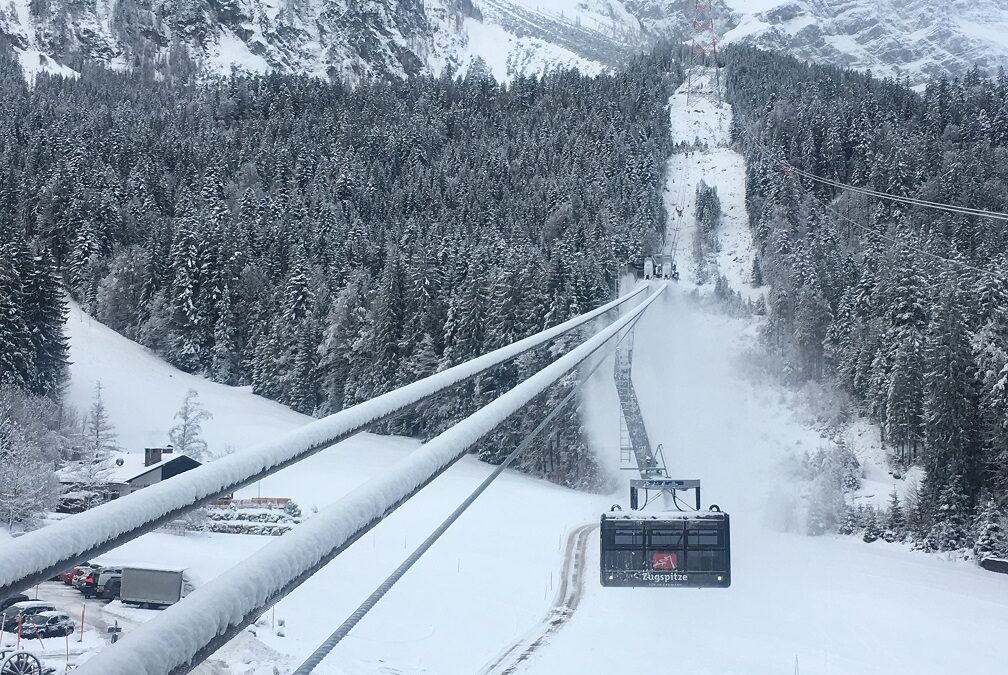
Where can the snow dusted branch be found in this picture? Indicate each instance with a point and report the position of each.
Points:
(40, 554)
(193, 628)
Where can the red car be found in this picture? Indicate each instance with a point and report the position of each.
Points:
(68, 576)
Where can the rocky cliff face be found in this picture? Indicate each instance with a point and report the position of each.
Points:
(354, 39)
(917, 39)
(350, 39)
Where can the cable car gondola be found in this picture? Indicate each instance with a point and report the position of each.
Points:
(690, 549)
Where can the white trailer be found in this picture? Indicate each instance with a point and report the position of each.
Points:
(648, 268)
(154, 586)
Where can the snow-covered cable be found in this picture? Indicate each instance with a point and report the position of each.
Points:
(38, 555)
(189, 631)
(369, 603)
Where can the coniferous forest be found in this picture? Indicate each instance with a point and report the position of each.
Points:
(324, 243)
(905, 307)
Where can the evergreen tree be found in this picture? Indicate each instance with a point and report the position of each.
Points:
(17, 353)
(872, 529)
(895, 529)
(849, 523)
(187, 434)
(989, 536)
(98, 443)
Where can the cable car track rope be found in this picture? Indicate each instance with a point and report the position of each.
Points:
(40, 554)
(369, 603)
(210, 616)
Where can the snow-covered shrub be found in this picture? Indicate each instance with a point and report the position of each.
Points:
(259, 519)
(872, 529)
(839, 464)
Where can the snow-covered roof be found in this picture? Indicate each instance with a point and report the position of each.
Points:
(664, 515)
(154, 567)
(132, 467)
(28, 604)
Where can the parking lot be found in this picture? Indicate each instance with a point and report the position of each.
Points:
(59, 652)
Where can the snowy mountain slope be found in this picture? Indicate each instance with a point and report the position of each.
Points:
(797, 603)
(342, 39)
(142, 393)
(353, 40)
(916, 38)
(336, 38)
(834, 604)
(487, 580)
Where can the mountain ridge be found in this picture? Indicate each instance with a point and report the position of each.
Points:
(353, 40)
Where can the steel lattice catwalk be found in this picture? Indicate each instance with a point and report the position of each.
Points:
(640, 445)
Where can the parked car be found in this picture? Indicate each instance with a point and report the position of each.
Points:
(7, 602)
(68, 576)
(24, 610)
(89, 582)
(109, 582)
(47, 624)
(86, 573)
(110, 590)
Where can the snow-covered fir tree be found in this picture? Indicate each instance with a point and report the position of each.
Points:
(187, 433)
(872, 527)
(989, 535)
(98, 443)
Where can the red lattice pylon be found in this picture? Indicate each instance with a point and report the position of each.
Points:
(704, 42)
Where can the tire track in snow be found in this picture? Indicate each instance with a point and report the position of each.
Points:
(565, 603)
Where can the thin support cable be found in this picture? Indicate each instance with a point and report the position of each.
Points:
(369, 603)
(764, 151)
(913, 201)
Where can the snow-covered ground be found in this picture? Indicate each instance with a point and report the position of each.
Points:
(510, 541)
(142, 393)
(698, 116)
(797, 603)
(834, 604)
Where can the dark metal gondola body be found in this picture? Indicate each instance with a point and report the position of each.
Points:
(679, 549)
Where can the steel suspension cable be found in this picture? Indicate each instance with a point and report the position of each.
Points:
(877, 194)
(372, 600)
(190, 631)
(765, 152)
(40, 554)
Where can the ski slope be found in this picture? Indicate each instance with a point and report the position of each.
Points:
(836, 604)
(814, 605)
